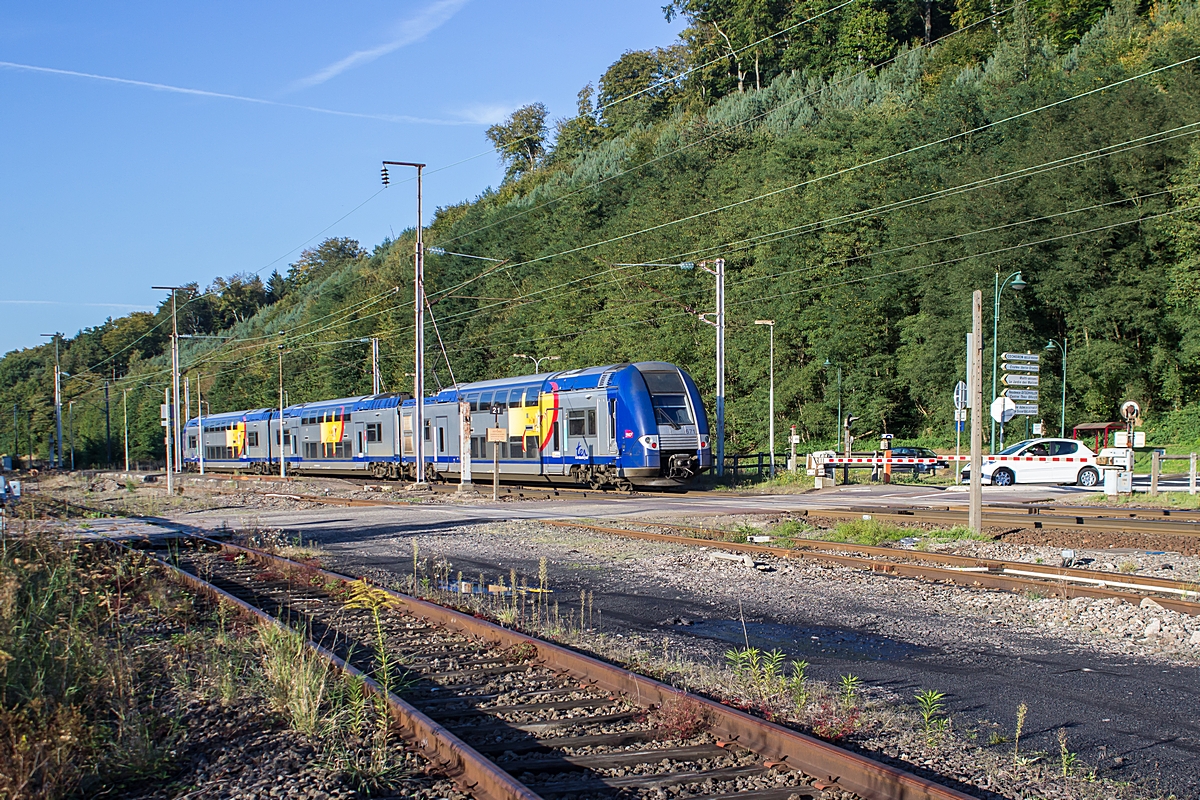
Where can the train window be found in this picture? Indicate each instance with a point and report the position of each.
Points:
(577, 422)
(311, 449)
(516, 447)
(591, 422)
(664, 382)
(191, 442)
(671, 409)
(374, 431)
(556, 449)
(473, 399)
(441, 442)
(252, 439)
(485, 402)
(531, 396)
(514, 398)
(501, 399)
(531, 447)
(428, 434)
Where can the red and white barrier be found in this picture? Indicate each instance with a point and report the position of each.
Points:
(843, 460)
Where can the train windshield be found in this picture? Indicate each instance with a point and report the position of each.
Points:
(671, 409)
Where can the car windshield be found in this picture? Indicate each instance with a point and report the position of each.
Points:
(1014, 448)
(926, 452)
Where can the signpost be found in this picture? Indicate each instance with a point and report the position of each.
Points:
(1021, 369)
(496, 436)
(1003, 410)
(960, 415)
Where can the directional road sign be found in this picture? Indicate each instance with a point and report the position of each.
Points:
(1026, 410)
(1003, 409)
(1020, 380)
(1020, 367)
(960, 395)
(1029, 357)
(1020, 395)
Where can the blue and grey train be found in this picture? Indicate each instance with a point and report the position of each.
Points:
(621, 425)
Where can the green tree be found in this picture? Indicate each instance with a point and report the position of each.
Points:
(863, 36)
(638, 88)
(317, 263)
(521, 139)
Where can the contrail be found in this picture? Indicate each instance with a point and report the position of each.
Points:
(164, 87)
(65, 303)
(411, 30)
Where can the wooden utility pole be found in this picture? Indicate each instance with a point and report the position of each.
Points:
(975, 392)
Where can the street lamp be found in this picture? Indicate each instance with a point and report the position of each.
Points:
(1062, 422)
(419, 315)
(176, 440)
(1018, 283)
(718, 271)
(537, 361)
(829, 364)
(58, 454)
(282, 455)
(770, 323)
(71, 428)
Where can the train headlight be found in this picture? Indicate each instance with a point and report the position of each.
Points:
(649, 441)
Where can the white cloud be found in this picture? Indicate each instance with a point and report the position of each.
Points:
(411, 30)
(486, 113)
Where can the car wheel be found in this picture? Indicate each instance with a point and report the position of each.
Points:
(1088, 477)
(1003, 477)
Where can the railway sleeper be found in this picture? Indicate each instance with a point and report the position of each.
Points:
(658, 781)
(560, 763)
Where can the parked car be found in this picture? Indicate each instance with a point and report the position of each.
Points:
(1040, 461)
(917, 452)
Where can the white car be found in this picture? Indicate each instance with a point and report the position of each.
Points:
(1040, 461)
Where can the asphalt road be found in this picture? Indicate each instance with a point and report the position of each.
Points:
(1135, 719)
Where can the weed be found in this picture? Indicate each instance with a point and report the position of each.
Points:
(1066, 758)
(797, 685)
(1128, 567)
(931, 706)
(832, 723)
(866, 531)
(296, 675)
(996, 737)
(1022, 710)
(681, 718)
(848, 687)
(520, 653)
(761, 671)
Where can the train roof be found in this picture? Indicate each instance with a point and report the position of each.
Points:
(250, 415)
(565, 380)
(364, 402)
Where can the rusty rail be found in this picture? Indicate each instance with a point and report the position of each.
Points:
(832, 766)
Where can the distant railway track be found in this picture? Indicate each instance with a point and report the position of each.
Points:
(510, 717)
(1034, 517)
(1013, 576)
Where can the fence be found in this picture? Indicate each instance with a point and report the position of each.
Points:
(1156, 459)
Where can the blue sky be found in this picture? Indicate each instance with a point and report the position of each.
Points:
(155, 143)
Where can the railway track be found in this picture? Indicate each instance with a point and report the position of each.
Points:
(1035, 517)
(1014, 576)
(509, 717)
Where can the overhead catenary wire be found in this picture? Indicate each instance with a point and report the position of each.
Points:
(856, 167)
(733, 126)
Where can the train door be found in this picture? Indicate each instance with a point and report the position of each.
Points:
(407, 446)
(606, 433)
(360, 437)
(441, 424)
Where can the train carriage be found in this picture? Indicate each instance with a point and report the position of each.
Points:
(619, 425)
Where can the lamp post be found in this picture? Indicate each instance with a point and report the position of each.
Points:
(125, 404)
(1054, 344)
(71, 430)
(58, 454)
(1018, 283)
(717, 270)
(828, 364)
(282, 454)
(770, 323)
(174, 409)
(419, 336)
(537, 360)
(200, 423)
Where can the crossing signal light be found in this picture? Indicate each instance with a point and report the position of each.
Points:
(384, 175)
